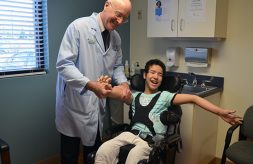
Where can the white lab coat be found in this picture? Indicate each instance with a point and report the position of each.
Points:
(81, 58)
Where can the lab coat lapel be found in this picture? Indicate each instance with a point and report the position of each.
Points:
(98, 37)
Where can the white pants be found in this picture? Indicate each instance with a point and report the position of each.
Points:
(109, 151)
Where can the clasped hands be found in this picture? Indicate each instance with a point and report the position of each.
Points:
(121, 92)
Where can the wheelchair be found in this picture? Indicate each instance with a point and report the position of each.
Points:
(165, 150)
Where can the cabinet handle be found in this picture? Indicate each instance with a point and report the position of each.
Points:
(181, 24)
(172, 26)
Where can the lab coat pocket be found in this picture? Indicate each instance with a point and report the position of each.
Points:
(79, 103)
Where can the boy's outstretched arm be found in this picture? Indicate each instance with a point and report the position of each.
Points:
(225, 114)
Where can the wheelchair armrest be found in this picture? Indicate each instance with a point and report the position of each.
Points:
(173, 139)
(170, 141)
(167, 142)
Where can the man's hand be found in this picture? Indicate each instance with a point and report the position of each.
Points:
(104, 79)
(230, 117)
(101, 90)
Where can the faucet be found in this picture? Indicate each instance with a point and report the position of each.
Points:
(205, 82)
(194, 81)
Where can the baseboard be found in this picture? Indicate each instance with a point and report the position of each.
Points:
(55, 159)
(51, 160)
(218, 160)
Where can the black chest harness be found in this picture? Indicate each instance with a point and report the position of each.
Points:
(142, 112)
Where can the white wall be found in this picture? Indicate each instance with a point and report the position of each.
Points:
(231, 59)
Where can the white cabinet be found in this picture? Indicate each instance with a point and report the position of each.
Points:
(187, 18)
(199, 130)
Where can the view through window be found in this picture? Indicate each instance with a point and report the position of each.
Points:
(23, 37)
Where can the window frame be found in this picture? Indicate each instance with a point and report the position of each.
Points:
(41, 52)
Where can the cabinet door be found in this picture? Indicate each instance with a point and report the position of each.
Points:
(197, 18)
(187, 18)
(162, 21)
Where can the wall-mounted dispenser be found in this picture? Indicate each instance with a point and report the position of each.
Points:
(172, 56)
(197, 57)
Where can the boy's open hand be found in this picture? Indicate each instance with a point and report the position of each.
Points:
(230, 117)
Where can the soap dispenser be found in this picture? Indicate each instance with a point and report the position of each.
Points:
(172, 54)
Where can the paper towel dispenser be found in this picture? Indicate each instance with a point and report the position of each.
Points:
(197, 57)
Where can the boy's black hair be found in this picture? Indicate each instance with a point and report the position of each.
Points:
(154, 62)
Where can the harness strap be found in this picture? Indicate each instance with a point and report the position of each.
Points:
(142, 112)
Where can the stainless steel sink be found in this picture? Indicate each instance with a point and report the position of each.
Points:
(196, 89)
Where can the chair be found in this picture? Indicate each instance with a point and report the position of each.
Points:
(240, 152)
(4, 152)
(165, 151)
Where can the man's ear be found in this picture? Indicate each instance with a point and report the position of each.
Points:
(144, 75)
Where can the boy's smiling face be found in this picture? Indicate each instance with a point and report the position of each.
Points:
(153, 79)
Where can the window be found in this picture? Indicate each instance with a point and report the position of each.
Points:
(23, 37)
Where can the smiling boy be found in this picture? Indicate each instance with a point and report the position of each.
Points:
(147, 107)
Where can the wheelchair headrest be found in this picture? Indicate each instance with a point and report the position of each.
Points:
(137, 82)
(169, 83)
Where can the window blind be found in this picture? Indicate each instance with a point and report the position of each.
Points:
(23, 37)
